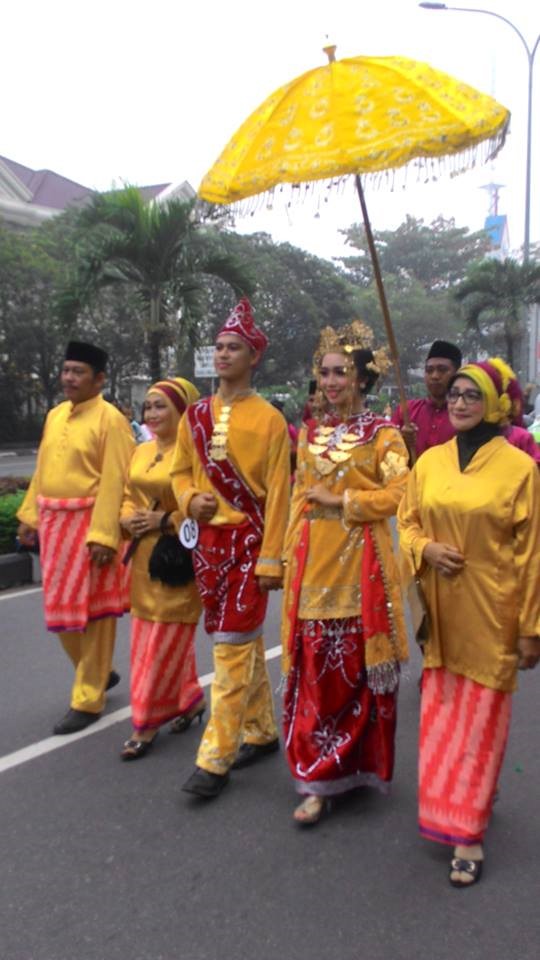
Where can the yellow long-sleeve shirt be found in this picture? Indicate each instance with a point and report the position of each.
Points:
(85, 452)
(148, 482)
(372, 483)
(258, 446)
(491, 513)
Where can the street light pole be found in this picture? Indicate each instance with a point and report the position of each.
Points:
(530, 60)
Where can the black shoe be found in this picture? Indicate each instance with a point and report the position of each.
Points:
(183, 721)
(471, 868)
(134, 749)
(251, 752)
(74, 721)
(205, 784)
(113, 681)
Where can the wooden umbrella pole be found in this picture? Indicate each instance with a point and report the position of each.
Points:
(384, 303)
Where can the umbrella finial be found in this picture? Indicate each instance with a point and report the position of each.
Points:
(330, 51)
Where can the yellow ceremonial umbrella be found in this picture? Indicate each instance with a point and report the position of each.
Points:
(359, 116)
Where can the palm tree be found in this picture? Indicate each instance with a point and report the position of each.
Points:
(494, 295)
(163, 252)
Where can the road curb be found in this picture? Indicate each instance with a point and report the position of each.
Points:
(17, 569)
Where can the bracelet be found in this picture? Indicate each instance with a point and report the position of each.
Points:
(164, 521)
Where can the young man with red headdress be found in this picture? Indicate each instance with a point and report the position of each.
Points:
(73, 503)
(231, 475)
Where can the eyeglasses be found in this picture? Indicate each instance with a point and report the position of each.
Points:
(469, 397)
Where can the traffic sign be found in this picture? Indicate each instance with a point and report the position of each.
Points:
(204, 362)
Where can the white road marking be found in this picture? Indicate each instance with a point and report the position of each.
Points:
(20, 593)
(42, 747)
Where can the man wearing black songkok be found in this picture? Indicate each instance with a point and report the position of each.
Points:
(429, 421)
(73, 503)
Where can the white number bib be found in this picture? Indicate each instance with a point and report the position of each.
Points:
(189, 533)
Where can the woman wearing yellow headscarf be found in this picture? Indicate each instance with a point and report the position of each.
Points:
(164, 683)
(469, 526)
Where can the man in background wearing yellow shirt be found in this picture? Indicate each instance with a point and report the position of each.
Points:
(73, 503)
(231, 474)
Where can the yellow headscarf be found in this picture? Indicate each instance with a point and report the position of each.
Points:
(492, 377)
(179, 391)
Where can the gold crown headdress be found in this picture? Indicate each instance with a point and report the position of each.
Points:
(354, 336)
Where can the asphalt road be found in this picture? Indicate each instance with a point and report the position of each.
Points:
(103, 860)
(15, 465)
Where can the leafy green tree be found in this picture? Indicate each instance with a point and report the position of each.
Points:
(494, 295)
(436, 256)
(31, 341)
(421, 266)
(297, 293)
(163, 253)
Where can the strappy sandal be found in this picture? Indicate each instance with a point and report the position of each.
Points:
(472, 868)
(311, 810)
(135, 749)
(183, 722)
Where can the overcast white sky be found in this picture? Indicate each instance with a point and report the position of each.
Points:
(150, 92)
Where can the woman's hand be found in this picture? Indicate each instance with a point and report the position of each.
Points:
(203, 507)
(321, 494)
(528, 652)
(443, 558)
(127, 524)
(143, 521)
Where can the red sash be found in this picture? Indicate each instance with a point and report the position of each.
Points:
(226, 556)
(222, 474)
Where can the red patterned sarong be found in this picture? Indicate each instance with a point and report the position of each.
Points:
(76, 591)
(224, 561)
(339, 734)
(463, 733)
(164, 681)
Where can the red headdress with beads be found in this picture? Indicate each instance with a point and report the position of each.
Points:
(241, 323)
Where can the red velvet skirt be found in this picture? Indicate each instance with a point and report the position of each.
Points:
(338, 733)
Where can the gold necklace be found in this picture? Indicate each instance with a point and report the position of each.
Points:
(341, 441)
(218, 440)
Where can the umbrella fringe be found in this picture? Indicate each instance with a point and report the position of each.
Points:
(421, 169)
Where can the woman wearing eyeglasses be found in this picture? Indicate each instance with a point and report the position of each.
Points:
(469, 526)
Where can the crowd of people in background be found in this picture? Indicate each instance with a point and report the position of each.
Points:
(212, 503)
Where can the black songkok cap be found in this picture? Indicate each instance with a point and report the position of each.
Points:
(441, 348)
(86, 353)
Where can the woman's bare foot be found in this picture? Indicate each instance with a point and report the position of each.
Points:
(310, 810)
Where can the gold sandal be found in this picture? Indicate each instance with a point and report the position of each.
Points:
(310, 810)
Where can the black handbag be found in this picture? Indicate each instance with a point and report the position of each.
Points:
(170, 561)
(418, 605)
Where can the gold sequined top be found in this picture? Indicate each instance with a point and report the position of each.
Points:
(372, 480)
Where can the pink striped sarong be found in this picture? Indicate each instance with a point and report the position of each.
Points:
(164, 681)
(75, 590)
(463, 733)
